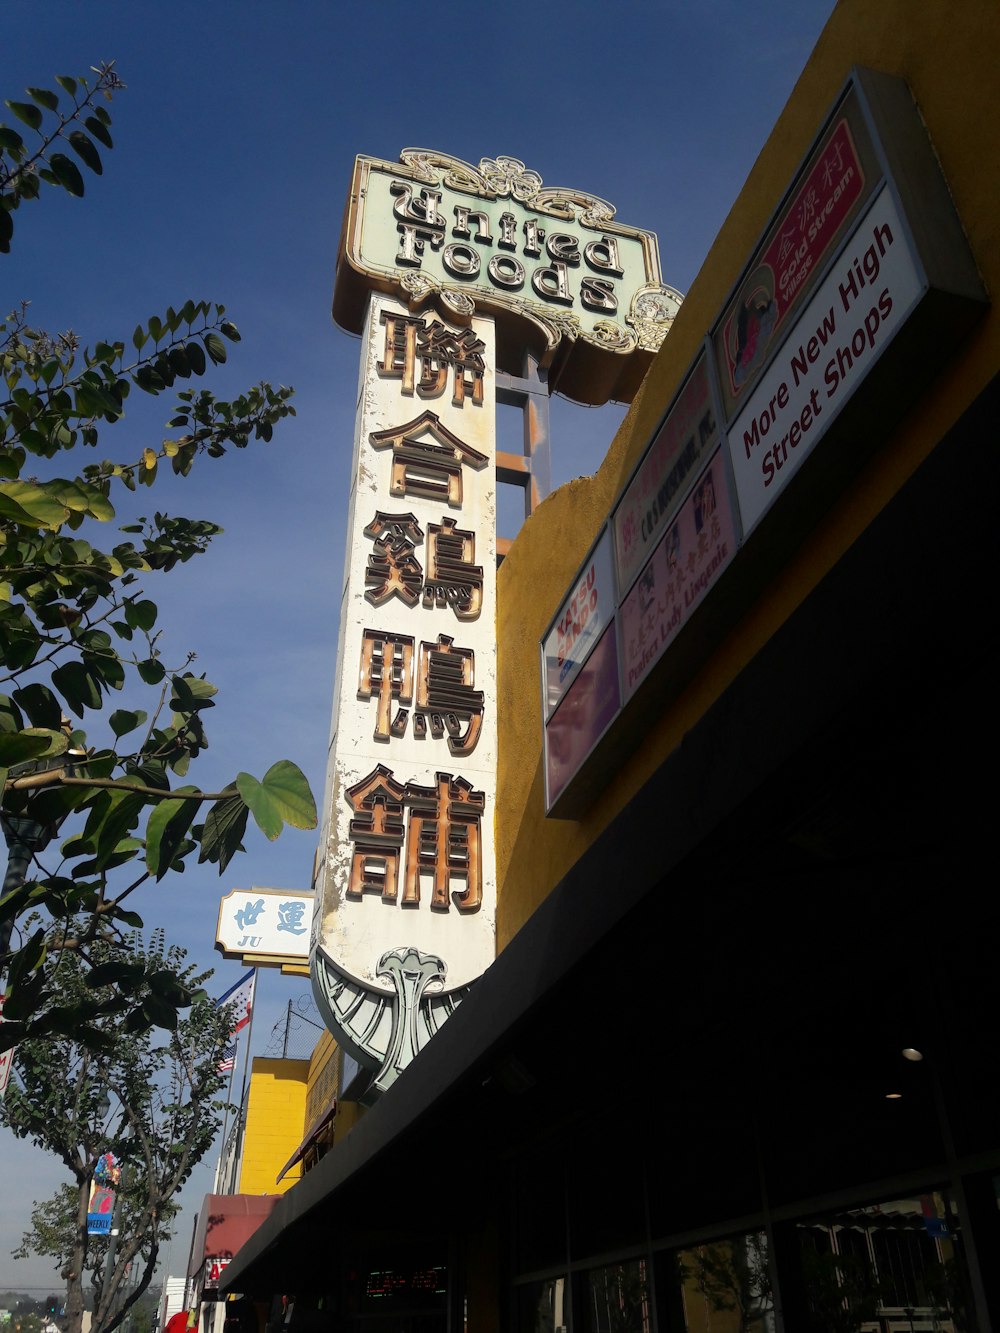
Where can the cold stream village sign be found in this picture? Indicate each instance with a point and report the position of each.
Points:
(449, 273)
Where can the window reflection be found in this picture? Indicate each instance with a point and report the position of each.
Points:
(726, 1286)
(542, 1306)
(616, 1299)
(896, 1265)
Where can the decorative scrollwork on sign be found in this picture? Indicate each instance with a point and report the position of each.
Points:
(652, 315)
(574, 206)
(418, 287)
(508, 177)
(459, 305)
(611, 335)
(384, 1031)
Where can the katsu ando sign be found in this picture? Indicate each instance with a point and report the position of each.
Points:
(562, 276)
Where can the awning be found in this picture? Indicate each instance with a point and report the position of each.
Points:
(225, 1222)
(312, 1134)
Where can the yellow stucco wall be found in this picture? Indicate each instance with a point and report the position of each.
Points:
(325, 1077)
(275, 1113)
(949, 57)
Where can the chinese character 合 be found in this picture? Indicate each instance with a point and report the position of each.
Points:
(428, 468)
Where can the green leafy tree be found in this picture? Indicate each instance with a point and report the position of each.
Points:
(843, 1290)
(165, 1096)
(76, 625)
(733, 1278)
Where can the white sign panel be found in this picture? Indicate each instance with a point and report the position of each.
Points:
(276, 922)
(839, 336)
(408, 834)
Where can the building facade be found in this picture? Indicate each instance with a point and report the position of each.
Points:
(736, 1064)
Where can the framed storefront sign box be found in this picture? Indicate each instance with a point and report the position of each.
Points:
(860, 289)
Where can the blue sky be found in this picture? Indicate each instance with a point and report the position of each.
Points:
(234, 144)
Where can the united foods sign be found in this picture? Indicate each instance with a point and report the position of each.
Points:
(555, 268)
(451, 274)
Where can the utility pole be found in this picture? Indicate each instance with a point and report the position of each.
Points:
(112, 1254)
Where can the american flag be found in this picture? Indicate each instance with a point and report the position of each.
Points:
(240, 996)
(227, 1059)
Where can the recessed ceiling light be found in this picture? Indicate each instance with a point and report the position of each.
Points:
(911, 1053)
(893, 1096)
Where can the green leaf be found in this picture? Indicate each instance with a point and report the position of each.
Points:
(283, 797)
(26, 113)
(67, 84)
(17, 747)
(99, 131)
(136, 1022)
(41, 705)
(112, 974)
(122, 720)
(222, 833)
(166, 829)
(150, 773)
(28, 957)
(196, 357)
(86, 151)
(67, 173)
(11, 717)
(129, 918)
(77, 686)
(140, 615)
(10, 140)
(81, 498)
(122, 816)
(34, 504)
(216, 348)
(179, 363)
(161, 1013)
(45, 97)
(229, 329)
(151, 670)
(189, 693)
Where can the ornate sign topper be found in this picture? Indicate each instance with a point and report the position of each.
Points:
(562, 278)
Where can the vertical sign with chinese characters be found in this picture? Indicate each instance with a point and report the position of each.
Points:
(406, 881)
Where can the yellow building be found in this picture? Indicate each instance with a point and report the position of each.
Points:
(276, 1107)
(736, 1064)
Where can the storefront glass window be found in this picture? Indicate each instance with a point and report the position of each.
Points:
(894, 1265)
(616, 1299)
(543, 1306)
(725, 1286)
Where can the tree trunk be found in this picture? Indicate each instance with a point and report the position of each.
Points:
(74, 1270)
